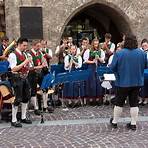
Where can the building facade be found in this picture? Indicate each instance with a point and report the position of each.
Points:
(2, 19)
(55, 18)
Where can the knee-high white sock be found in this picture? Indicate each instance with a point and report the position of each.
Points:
(45, 98)
(117, 113)
(24, 110)
(34, 101)
(14, 113)
(134, 115)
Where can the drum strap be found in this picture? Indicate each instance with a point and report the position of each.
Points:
(7, 97)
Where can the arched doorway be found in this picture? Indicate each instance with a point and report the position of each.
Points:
(95, 20)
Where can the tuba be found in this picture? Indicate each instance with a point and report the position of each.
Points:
(7, 50)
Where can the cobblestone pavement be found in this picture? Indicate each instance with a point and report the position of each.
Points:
(84, 127)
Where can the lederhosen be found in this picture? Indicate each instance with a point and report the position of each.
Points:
(91, 85)
(20, 82)
(35, 76)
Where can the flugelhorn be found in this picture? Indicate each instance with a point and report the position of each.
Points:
(6, 51)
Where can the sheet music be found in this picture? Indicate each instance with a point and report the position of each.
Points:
(106, 84)
(109, 77)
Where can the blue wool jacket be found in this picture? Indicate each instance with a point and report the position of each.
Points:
(128, 66)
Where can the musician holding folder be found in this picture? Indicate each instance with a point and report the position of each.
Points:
(128, 65)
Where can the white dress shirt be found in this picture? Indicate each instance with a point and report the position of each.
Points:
(12, 59)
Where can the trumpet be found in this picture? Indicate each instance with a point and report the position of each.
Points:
(12, 44)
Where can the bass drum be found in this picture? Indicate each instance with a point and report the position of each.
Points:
(6, 95)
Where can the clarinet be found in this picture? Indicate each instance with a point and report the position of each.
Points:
(73, 59)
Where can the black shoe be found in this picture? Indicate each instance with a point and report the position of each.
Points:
(113, 101)
(114, 125)
(44, 109)
(132, 127)
(99, 102)
(58, 103)
(106, 103)
(16, 124)
(76, 105)
(27, 121)
(37, 112)
(50, 109)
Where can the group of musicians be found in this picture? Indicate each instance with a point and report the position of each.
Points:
(29, 66)
(92, 55)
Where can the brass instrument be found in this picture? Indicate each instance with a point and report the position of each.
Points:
(12, 44)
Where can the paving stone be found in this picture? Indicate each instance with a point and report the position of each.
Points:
(82, 134)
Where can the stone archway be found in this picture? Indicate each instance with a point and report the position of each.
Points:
(104, 17)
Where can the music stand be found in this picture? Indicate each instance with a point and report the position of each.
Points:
(106, 80)
(73, 76)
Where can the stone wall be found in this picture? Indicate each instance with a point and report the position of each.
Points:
(57, 13)
(2, 17)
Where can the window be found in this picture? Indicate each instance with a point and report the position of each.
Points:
(31, 24)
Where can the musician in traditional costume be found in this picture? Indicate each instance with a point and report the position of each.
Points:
(70, 41)
(36, 75)
(93, 58)
(121, 44)
(83, 47)
(62, 50)
(108, 47)
(72, 62)
(119, 47)
(144, 47)
(3, 46)
(19, 65)
(47, 52)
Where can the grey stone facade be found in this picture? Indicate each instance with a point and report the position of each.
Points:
(128, 15)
